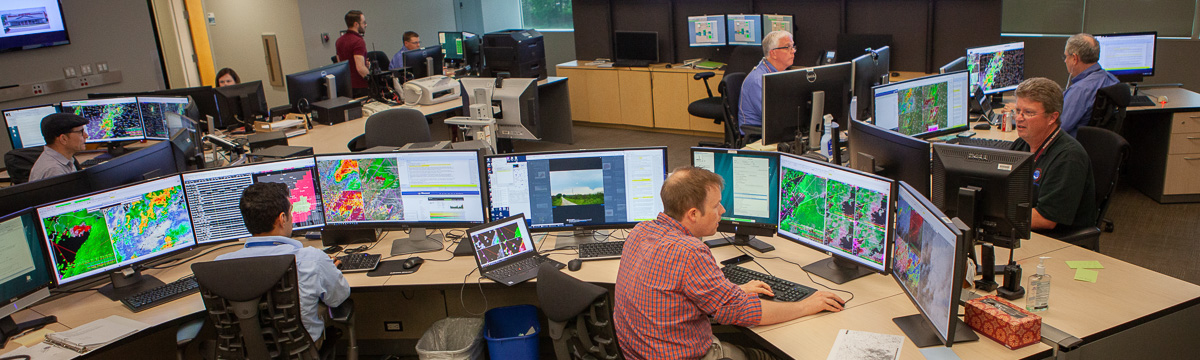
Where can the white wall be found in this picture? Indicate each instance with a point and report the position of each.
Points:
(501, 15)
(386, 23)
(236, 40)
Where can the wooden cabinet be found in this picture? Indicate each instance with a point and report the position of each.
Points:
(603, 96)
(655, 97)
(577, 86)
(1183, 160)
(637, 104)
(668, 101)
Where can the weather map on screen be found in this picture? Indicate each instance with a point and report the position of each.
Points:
(836, 209)
(108, 119)
(361, 189)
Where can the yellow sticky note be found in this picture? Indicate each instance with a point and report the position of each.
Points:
(1090, 264)
(32, 338)
(1086, 275)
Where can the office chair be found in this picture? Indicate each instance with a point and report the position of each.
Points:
(579, 316)
(732, 84)
(709, 107)
(1108, 111)
(393, 127)
(744, 59)
(20, 161)
(380, 59)
(254, 305)
(1108, 152)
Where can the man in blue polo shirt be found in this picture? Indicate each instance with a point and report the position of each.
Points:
(779, 50)
(1081, 56)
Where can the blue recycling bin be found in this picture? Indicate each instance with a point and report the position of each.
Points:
(508, 332)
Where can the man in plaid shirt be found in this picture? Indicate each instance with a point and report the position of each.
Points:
(669, 284)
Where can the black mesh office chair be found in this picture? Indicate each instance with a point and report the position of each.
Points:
(393, 127)
(254, 304)
(1108, 111)
(732, 92)
(1108, 152)
(380, 59)
(579, 315)
(709, 107)
(744, 59)
(20, 161)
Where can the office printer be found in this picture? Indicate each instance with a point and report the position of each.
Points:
(430, 90)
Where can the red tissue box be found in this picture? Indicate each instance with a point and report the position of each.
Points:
(1014, 332)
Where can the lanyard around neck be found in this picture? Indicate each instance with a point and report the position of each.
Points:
(1046, 144)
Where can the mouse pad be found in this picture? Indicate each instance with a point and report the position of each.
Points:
(392, 267)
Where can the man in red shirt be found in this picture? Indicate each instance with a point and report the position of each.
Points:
(669, 284)
(351, 47)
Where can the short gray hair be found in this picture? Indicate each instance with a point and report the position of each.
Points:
(1085, 46)
(771, 41)
(1043, 91)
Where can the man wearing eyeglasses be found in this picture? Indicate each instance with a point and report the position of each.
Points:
(64, 134)
(412, 41)
(1081, 55)
(779, 50)
(1063, 185)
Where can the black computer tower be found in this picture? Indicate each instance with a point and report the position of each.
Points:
(520, 53)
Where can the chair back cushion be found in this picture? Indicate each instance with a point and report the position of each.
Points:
(20, 161)
(256, 294)
(731, 90)
(1108, 151)
(1108, 109)
(563, 296)
(396, 127)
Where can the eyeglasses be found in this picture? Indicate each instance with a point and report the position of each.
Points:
(418, 42)
(80, 131)
(1026, 113)
(791, 47)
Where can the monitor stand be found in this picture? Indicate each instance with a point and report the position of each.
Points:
(566, 240)
(923, 335)
(127, 282)
(837, 270)
(418, 241)
(10, 328)
(741, 240)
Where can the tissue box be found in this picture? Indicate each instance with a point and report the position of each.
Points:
(1011, 326)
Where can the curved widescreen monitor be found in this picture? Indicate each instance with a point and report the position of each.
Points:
(214, 196)
(114, 119)
(996, 68)
(585, 189)
(104, 231)
(928, 261)
(25, 125)
(836, 210)
(154, 111)
(440, 188)
(924, 107)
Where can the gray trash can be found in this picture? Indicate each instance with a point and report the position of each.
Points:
(452, 339)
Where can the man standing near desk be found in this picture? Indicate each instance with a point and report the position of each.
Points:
(412, 41)
(65, 136)
(779, 50)
(267, 212)
(1082, 56)
(351, 47)
(668, 284)
(1063, 185)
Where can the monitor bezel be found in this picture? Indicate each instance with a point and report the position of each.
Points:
(947, 196)
(1127, 76)
(803, 121)
(316, 187)
(187, 101)
(861, 63)
(888, 228)
(42, 256)
(761, 26)
(56, 107)
(724, 38)
(483, 195)
(624, 225)
(996, 90)
(136, 104)
(931, 134)
(733, 226)
(618, 54)
(960, 264)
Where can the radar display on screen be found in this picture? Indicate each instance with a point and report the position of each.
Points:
(154, 114)
(923, 259)
(361, 189)
(213, 196)
(108, 119)
(923, 108)
(498, 243)
(996, 68)
(400, 188)
(837, 214)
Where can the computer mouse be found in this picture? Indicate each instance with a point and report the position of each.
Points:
(574, 264)
(983, 126)
(412, 262)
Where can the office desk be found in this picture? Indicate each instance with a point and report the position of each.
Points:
(1164, 144)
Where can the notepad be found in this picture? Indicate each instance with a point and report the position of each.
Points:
(1090, 264)
(1086, 275)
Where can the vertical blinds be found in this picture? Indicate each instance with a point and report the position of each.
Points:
(1171, 18)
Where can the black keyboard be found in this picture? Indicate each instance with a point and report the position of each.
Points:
(519, 267)
(784, 290)
(162, 294)
(601, 250)
(358, 262)
(1141, 100)
(984, 143)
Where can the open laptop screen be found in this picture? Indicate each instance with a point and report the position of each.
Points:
(501, 240)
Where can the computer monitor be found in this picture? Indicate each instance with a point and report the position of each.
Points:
(34, 193)
(424, 62)
(989, 189)
(214, 197)
(954, 65)
(839, 211)
(707, 30)
(146, 163)
(452, 45)
(772, 22)
(185, 138)
(1128, 56)
(25, 125)
(109, 120)
(750, 198)
(890, 154)
(744, 29)
(517, 100)
(788, 107)
(996, 68)
(635, 46)
(203, 97)
(929, 259)
(246, 101)
(25, 276)
(120, 228)
(403, 189)
(154, 114)
(924, 107)
(870, 70)
(578, 190)
(309, 85)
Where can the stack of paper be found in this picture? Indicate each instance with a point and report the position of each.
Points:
(95, 334)
(862, 345)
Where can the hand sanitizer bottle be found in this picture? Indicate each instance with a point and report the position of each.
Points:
(1039, 289)
(827, 137)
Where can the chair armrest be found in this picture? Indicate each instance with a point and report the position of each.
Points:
(704, 75)
(342, 313)
(356, 144)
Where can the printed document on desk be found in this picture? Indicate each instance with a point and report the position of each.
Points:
(96, 333)
(851, 344)
(43, 351)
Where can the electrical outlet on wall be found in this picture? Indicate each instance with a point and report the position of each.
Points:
(102, 67)
(85, 69)
(70, 72)
(39, 89)
(84, 81)
(393, 326)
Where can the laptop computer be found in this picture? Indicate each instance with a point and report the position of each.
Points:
(505, 252)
